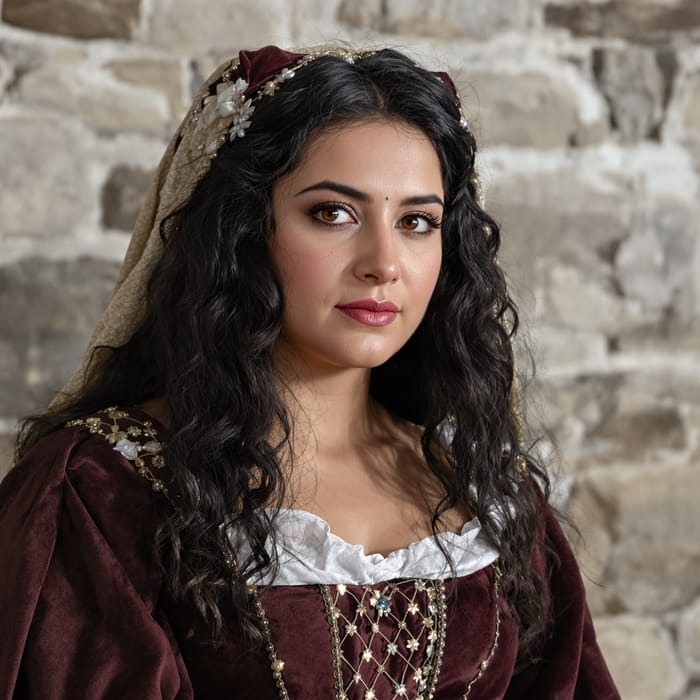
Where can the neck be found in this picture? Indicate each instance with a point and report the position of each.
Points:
(330, 408)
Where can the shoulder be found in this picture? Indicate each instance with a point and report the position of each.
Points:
(95, 488)
(79, 560)
(126, 439)
(113, 459)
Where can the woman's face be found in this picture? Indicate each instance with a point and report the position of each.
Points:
(357, 222)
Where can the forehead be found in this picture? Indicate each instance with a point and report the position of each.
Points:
(382, 156)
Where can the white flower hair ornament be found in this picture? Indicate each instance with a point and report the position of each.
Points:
(230, 101)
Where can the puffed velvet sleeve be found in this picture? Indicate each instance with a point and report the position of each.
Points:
(571, 665)
(78, 586)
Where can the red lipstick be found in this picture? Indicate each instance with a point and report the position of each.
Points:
(370, 312)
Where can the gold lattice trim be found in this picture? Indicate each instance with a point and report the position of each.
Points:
(434, 624)
(374, 609)
(134, 439)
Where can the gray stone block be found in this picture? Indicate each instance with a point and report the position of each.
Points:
(46, 189)
(223, 25)
(689, 638)
(107, 19)
(86, 97)
(162, 76)
(122, 197)
(445, 19)
(635, 87)
(647, 21)
(47, 313)
(640, 656)
(655, 559)
(525, 109)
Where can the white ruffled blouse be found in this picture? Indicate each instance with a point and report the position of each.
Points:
(309, 553)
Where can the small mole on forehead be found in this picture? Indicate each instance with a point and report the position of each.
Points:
(386, 199)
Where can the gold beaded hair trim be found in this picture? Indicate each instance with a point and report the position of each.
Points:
(235, 104)
(230, 110)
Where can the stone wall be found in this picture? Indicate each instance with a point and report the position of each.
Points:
(589, 117)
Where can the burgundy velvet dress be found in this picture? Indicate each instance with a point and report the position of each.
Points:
(84, 614)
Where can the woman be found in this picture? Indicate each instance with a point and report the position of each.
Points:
(313, 484)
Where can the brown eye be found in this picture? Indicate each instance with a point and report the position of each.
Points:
(418, 223)
(410, 223)
(329, 214)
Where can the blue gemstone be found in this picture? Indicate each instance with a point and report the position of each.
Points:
(383, 603)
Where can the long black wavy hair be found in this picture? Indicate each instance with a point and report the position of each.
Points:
(214, 314)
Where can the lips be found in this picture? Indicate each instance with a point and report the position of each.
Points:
(370, 305)
(370, 312)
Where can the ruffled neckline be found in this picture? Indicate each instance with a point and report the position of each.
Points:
(309, 553)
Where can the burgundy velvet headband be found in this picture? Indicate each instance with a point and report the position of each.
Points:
(259, 66)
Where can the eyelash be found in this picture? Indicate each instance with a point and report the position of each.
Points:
(433, 221)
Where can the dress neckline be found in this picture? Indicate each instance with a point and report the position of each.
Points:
(309, 553)
(326, 526)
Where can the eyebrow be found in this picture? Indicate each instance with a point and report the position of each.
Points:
(364, 197)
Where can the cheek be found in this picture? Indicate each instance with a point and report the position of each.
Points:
(305, 271)
(426, 271)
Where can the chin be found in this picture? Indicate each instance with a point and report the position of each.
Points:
(368, 360)
(347, 352)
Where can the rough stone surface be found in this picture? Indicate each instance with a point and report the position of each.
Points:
(522, 109)
(640, 657)
(562, 346)
(604, 420)
(122, 197)
(15, 60)
(573, 407)
(106, 108)
(593, 548)
(691, 116)
(643, 21)
(44, 162)
(47, 312)
(582, 299)
(24, 56)
(6, 73)
(160, 75)
(443, 19)
(655, 265)
(633, 84)
(227, 26)
(542, 226)
(626, 437)
(106, 19)
(689, 639)
(654, 556)
(363, 13)
(7, 453)
(312, 20)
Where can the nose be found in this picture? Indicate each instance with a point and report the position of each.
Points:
(377, 258)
